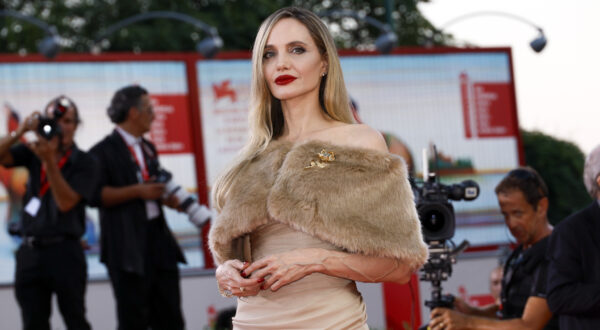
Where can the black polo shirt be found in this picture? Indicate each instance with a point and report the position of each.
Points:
(79, 171)
(525, 274)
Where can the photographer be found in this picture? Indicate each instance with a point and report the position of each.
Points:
(523, 199)
(50, 258)
(137, 247)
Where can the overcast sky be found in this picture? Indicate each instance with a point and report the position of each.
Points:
(557, 89)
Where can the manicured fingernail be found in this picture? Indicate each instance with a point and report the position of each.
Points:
(260, 280)
(243, 273)
(245, 263)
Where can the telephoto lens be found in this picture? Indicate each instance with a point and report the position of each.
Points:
(197, 214)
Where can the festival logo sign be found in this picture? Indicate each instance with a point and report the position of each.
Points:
(170, 130)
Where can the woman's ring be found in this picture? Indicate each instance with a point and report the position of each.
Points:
(227, 293)
(242, 289)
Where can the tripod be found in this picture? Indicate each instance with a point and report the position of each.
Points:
(439, 268)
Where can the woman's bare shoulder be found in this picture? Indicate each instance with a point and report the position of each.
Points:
(361, 136)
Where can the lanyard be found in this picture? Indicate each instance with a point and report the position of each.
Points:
(143, 170)
(44, 184)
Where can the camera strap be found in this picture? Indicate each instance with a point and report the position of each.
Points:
(44, 184)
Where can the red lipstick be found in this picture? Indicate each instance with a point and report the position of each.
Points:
(284, 79)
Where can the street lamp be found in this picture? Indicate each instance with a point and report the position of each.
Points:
(208, 47)
(536, 44)
(48, 46)
(384, 43)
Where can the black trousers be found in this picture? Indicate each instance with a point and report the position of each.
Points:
(149, 301)
(58, 268)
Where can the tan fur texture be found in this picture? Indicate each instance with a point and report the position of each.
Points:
(361, 201)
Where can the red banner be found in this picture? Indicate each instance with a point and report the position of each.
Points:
(493, 114)
(464, 93)
(170, 129)
(489, 104)
(402, 304)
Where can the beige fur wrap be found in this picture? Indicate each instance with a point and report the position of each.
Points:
(354, 198)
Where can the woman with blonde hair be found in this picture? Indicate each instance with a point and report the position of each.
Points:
(314, 202)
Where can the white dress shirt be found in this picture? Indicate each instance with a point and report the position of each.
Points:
(152, 208)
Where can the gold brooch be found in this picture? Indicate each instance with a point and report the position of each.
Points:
(324, 158)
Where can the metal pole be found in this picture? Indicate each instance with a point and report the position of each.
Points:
(389, 7)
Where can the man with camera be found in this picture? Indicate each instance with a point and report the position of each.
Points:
(137, 247)
(51, 258)
(523, 199)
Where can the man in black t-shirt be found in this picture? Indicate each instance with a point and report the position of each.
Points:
(523, 200)
(51, 259)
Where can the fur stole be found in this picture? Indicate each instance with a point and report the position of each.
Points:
(354, 198)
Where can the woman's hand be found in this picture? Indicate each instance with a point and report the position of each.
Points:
(231, 277)
(284, 268)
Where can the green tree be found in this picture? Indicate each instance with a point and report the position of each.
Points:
(80, 21)
(560, 163)
(411, 27)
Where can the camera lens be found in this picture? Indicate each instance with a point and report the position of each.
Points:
(433, 220)
(47, 129)
(437, 221)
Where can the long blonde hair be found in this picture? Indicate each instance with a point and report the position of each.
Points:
(265, 115)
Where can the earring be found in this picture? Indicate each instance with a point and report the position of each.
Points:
(323, 74)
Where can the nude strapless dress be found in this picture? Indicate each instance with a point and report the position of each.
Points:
(317, 301)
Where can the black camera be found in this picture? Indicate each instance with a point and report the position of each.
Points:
(438, 224)
(436, 213)
(48, 126)
(197, 214)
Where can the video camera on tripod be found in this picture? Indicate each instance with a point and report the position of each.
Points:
(438, 223)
